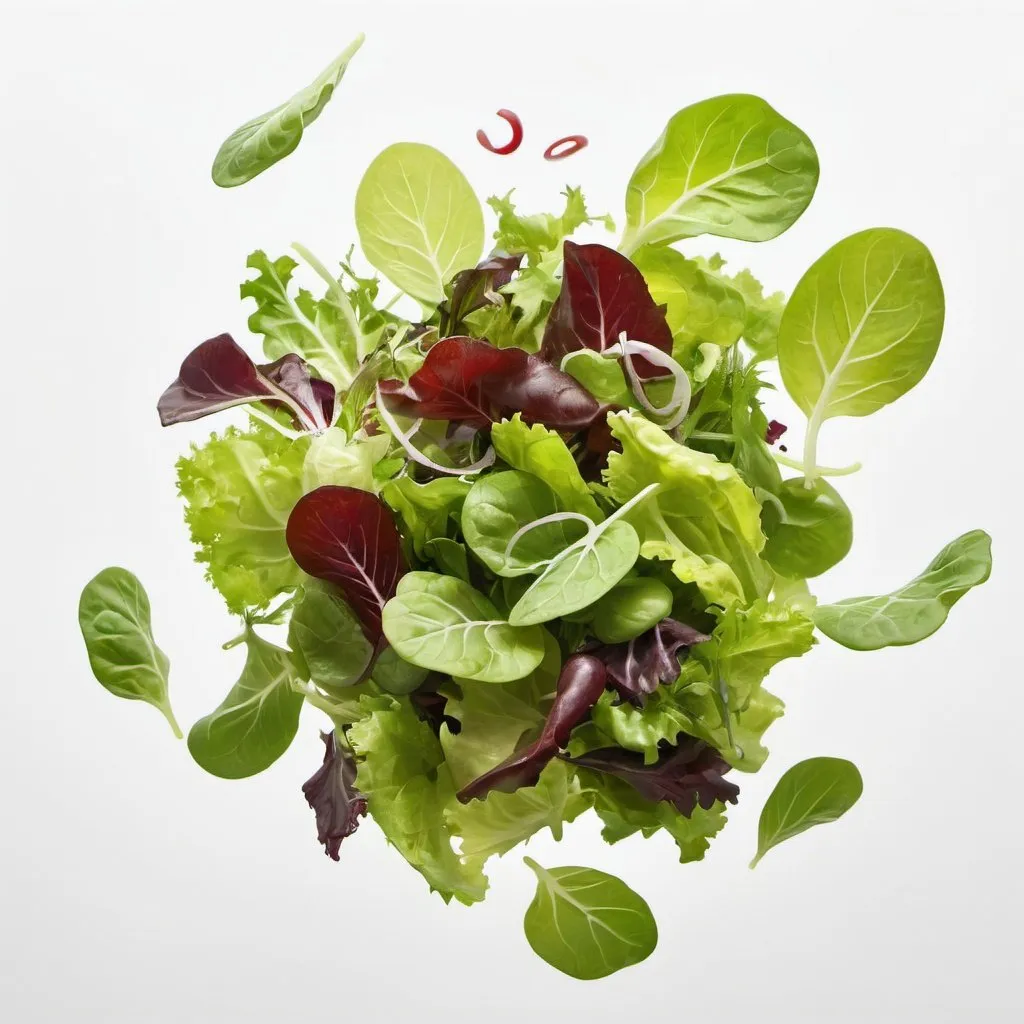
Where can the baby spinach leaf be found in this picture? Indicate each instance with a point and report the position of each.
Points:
(916, 610)
(729, 166)
(813, 792)
(393, 674)
(327, 634)
(809, 529)
(443, 624)
(261, 142)
(256, 722)
(419, 220)
(861, 328)
(450, 556)
(543, 453)
(495, 509)
(586, 923)
(579, 575)
(631, 608)
(113, 613)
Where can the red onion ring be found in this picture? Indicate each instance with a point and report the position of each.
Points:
(578, 142)
(513, 144)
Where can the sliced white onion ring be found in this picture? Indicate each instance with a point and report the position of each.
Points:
(555, 517)
(402, 437)
(679, 403)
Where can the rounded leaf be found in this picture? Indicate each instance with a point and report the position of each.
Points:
(632, 608)
(815, 534)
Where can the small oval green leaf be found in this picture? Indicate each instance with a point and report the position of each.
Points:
(328, 636)
(586, 923)
(256, 722)
(445, 625)
(813, 792)
(729, 166)
(114, 616)
(916, 610)
(812, 531)
(495, 509)
(631, 608)
(261, 142)
(419, 220)
(393, 674)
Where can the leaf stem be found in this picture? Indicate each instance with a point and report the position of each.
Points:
(165, 710)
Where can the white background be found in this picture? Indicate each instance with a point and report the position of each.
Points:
(136, 888)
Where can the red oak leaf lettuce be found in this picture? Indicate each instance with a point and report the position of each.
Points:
(348, 537)
(218, 374)
(685, 775)
(580, 684)
(472, 289)
(473, 382)
(332, 794)
(603, 295)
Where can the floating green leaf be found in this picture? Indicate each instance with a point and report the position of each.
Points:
(586, 923)
(326, 633)
(729, 166)
(419, 220)
(813, 792)
(257, 721)
(114, 616)
(810, 529)
(916, 610)
(261, 142)
(443, 624)
(861, 328)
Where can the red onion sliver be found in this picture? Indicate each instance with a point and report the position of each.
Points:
(510, 146)
(578, 142)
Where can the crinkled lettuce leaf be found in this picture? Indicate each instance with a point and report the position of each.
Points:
(703, 518)
(239, 489)
(408, 788)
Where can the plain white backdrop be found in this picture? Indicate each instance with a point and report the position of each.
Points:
(136, 888)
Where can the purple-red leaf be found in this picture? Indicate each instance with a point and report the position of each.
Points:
(774, 432)
(218, 374)
(475, 288)
(580, 684)
(348, 537)
(688, 774)
(603, 294)
(332, 794)
(472, 381)
(637, 667)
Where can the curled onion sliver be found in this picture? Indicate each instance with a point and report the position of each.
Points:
(555, 517)
(416, 455)
(513, 144)
(679, 403)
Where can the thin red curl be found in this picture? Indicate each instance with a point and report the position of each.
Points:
(578, 142)
(513, 144)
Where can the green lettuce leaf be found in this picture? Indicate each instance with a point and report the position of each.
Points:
(763, 312)
(543, 453)
(335, 460)
(317, 330)
(240, 488)
(539, 233)
(408, 788)
(703, 518)
(425, 509)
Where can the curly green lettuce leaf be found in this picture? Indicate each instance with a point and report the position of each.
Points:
(624, 813)
(322, 331)
(694, 705)
(703, 518)
(333, 459)
(540, 451)
(408, 788)
(537, 234)
(763, 312)
(240, 488)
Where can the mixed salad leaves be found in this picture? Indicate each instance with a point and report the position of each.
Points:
(537, 549)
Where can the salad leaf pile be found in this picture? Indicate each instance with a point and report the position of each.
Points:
(534, 551)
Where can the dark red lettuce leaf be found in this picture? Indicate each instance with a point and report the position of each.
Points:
(475, 288)
(637, 667)
(473, 382)
(580, 684)
(603, 294)
(332, 794)
(685, 775)
(348, 537)
(218, 374)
